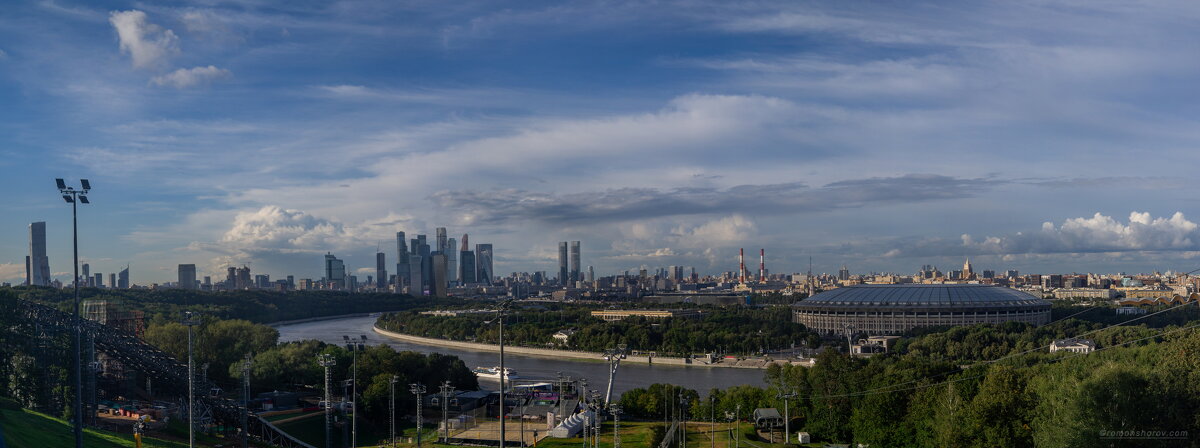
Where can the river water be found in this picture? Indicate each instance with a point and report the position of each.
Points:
(629, 376)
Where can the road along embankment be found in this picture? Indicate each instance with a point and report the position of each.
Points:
(566, 354)
(318, 319)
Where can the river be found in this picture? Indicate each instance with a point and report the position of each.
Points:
(629, 376)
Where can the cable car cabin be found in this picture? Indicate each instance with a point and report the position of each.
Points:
(767, 418)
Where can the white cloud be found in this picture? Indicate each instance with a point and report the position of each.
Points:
(12, 272)
(275, 228)
(1097, 234)
(3, 54)
(190, 77)
(202, 21)
(716, 233)
(148, 45)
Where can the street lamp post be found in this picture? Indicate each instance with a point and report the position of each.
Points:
(354, 346)
(190, 322)
(74, 197)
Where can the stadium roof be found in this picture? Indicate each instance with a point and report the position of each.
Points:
(917, 296)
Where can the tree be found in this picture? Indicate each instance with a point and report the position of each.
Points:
(831, 379)
(999, 414)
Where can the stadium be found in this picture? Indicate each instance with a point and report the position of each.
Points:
(895, 309)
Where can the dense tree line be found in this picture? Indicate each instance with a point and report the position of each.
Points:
(730, 330)
(34, 371)
(222, 344)
(293, 366)
(912, 399)
(260, 306)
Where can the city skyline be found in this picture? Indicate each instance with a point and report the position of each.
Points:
(884, 138)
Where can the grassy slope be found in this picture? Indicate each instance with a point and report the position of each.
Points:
(25, 428)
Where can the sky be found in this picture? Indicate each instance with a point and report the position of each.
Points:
(1039, 136)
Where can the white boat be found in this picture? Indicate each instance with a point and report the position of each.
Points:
(493, 373)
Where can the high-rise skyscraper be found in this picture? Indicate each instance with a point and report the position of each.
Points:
(438, 260)
(424, 251)
(87, 275)
(844, 273)
(451, 260)
(466, 263)
(243, 278)
(380, 271)
(112, 281)
(98, 281)
(335, 272)
(403, 271)
(576, 262)
(416, 274)
(187, 276)
(231, 278)
(440, 234)
(123, 278)
(38, 267)
(563, 272)
(483, 264)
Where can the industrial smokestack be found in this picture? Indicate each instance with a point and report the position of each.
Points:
(762, 265)
(742, 265)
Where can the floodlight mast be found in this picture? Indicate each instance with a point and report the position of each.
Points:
(69, 195)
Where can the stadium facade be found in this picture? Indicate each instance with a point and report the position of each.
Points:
(895, 309)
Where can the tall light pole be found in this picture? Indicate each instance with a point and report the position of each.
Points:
(392, 408)
(561, 391)
(74, 197)
(500, 311)
(503, 377)
(418, 390)
(246, 363)
(597, 406)
(326, 360)
(354, 345)
(787, 421)
(447, 391)
(712, 417)
(683, 402)
(189, 322)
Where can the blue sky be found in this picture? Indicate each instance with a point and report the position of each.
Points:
(1040, 136)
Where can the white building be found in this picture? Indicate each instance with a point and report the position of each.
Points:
(1073, 345)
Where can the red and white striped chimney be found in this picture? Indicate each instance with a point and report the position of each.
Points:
(742, 265)
(762, 265)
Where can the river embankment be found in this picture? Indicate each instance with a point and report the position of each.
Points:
(750, 363)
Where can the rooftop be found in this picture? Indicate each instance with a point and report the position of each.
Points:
(918, 295)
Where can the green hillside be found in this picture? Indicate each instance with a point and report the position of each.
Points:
(24, 428)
